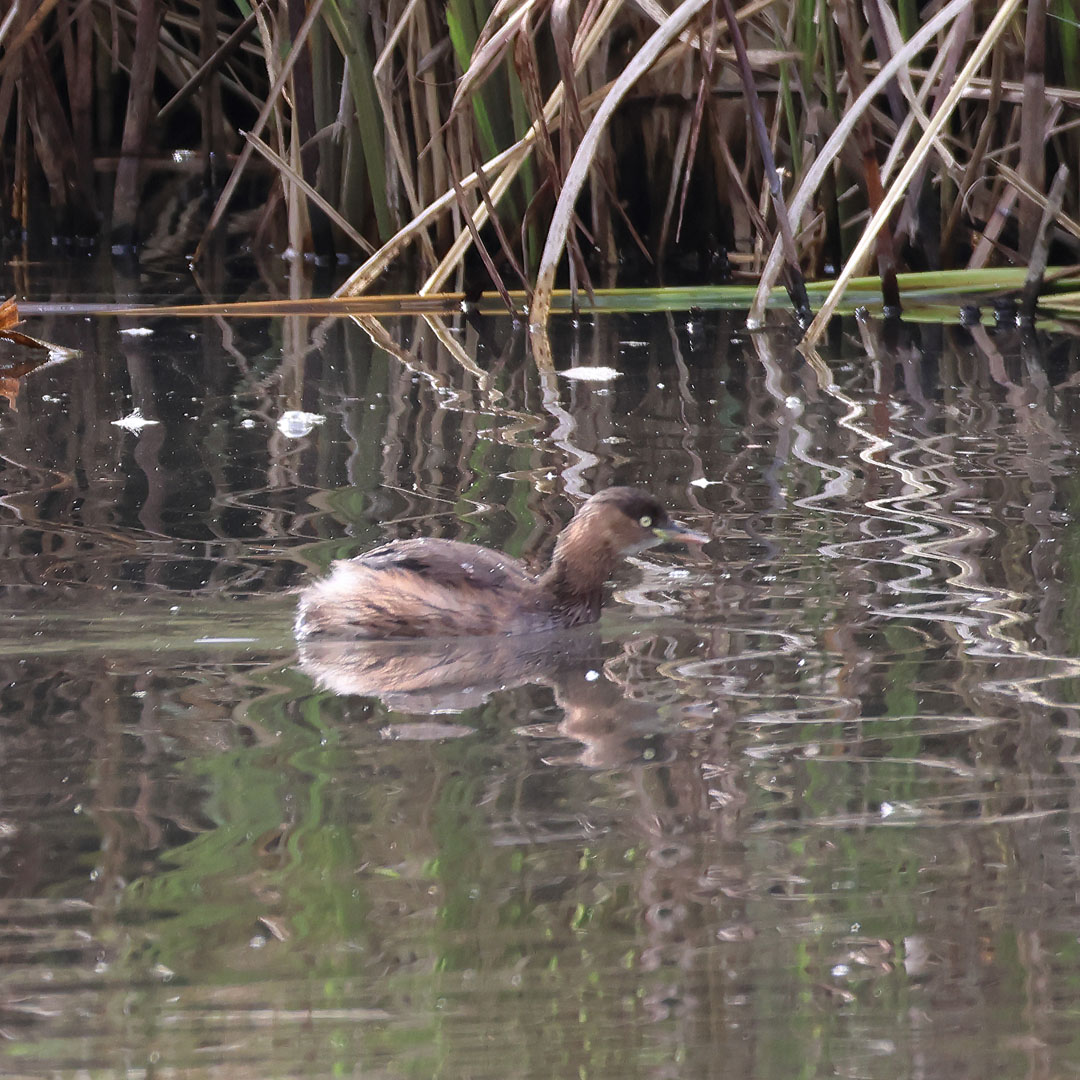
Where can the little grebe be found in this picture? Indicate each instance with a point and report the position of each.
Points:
(442, 588)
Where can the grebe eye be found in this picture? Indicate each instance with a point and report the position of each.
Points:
(645, 521)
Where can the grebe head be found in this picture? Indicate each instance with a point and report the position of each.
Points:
(624, 520)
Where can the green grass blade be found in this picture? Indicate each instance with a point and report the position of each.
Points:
(346, 21)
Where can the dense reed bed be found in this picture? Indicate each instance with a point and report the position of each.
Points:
(520, 143)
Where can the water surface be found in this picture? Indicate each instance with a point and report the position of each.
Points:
(804, 803)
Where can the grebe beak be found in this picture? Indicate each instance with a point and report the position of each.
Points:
(680, 534)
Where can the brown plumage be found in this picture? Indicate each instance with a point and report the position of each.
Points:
(442, 588)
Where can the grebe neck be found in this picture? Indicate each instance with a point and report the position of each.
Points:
(580, 565)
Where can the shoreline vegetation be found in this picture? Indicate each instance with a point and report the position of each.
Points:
(524, 145)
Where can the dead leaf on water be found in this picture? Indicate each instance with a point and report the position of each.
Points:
(14, 370)
(9, 319)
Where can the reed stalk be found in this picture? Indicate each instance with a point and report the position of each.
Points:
(618, 132)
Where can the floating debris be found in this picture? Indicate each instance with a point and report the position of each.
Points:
(591, 374)
(295, 424)
(134, 421)
(137, 331)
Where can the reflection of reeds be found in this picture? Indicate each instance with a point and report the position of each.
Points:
(378, 128)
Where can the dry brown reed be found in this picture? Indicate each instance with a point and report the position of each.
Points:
(471, 143)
